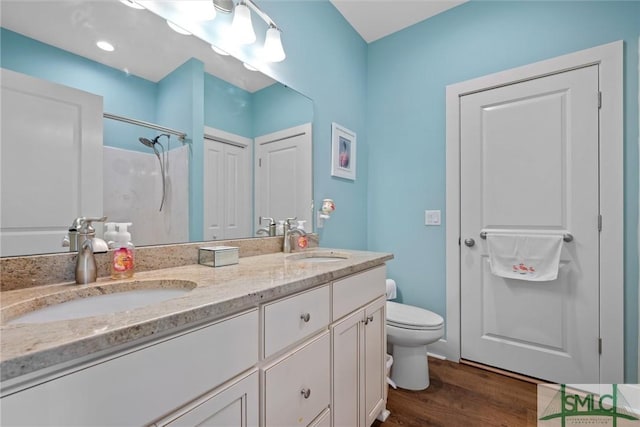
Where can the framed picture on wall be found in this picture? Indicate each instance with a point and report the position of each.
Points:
(343, 152)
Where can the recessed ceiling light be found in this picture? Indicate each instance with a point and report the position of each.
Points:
(249, 67)
(219, 51)
(177, 28)
(132, 4)
(105, 45)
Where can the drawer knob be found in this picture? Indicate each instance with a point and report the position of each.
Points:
(368, 319)
(305, 317)
(305, 392)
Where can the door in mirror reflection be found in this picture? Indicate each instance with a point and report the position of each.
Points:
(227, 185)
(283, 173)
(51, 136)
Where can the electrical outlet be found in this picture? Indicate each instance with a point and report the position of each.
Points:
(432, 217)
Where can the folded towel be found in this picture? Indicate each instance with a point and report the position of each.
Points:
(533, 257)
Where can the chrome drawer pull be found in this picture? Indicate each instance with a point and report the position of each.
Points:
(305, 392)
(306, 317)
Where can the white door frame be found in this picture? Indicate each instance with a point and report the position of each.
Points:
(609, 57)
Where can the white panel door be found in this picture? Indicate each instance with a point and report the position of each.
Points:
(529, 163)
(227, 188)
(51, 162)
(283, 185)
(348, 367)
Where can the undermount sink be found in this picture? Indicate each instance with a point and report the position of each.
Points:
(318, 256)
(96, 300)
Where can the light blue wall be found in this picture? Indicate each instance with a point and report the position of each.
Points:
(279, 107)
(407, 75)
(123, 94)
(327, 61)
(227, 107)
(181, 106)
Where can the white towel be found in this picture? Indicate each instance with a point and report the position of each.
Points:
(534, 257)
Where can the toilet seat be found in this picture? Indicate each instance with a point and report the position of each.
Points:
(410, 317)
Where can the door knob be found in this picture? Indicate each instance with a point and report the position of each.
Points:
(469, 242)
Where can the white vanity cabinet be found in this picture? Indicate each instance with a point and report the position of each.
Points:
(139, 386)
(235, 404)
(311, 359)
(359, 345)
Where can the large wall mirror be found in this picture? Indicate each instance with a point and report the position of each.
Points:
(194, 145)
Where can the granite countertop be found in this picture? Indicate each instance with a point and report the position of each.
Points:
(218, 292)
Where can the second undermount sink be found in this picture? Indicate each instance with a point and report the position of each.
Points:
(318, 256)
(96, 300)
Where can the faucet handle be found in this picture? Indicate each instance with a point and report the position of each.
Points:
(85, 224)
(271, 220)
(289, 221)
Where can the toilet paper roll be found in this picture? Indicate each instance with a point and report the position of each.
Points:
(391, 289)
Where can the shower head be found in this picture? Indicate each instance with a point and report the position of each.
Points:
(147, 142)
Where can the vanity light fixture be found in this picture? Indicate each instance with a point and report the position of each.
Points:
(197, 10)
(273, 50)
(242, 28)
(132, 3)
(178, 29)
(241, 25)
(105, 45)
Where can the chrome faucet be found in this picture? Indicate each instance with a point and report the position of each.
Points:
(270, 230)
(289, 230)
(81, 238)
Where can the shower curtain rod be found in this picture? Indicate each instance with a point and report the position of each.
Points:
(181, 135)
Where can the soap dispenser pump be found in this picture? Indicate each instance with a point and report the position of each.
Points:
(122, 264)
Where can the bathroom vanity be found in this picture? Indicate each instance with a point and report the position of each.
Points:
(276, 340)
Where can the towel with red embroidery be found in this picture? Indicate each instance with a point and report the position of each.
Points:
(534, 257)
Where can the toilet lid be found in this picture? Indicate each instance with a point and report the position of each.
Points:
(410, 317)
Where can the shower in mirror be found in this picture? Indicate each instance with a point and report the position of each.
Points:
(162, 160)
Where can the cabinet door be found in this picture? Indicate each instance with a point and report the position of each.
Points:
(235, 405)
(347, 340)
(374, 360)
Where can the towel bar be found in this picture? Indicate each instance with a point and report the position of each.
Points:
(567, 237)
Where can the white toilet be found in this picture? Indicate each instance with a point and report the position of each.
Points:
(409, 330)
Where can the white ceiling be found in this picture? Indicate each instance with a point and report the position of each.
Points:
(147, 47)
(374, 19)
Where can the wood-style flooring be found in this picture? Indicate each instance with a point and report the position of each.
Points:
(463, 395)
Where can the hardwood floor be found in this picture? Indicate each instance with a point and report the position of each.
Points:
(463, 395)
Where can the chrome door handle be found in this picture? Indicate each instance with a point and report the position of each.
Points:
(469, 242)
(305, 317)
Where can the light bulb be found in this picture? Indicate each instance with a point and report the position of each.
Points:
(273, 50)
(197, 10)
(177, 28)
(242, 26)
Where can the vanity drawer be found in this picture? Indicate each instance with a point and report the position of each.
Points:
(297, 386)
(357, 290)
(292, 319)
